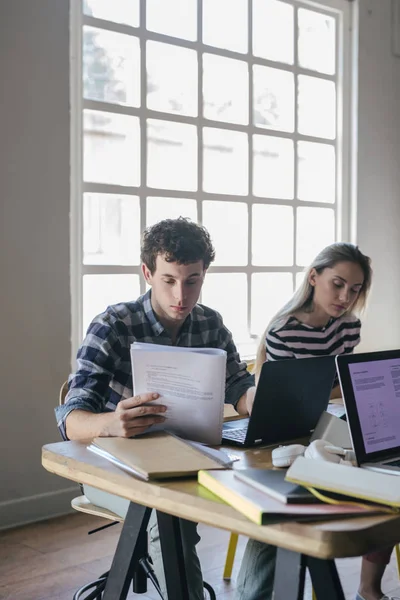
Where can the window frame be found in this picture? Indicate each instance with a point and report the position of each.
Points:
(344, 142)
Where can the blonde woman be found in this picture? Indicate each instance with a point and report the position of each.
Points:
(321, 318)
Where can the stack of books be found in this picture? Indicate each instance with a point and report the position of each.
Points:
(266, 498)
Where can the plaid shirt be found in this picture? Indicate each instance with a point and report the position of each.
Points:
(104, 374)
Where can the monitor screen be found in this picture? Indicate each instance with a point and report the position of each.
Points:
(376, 387)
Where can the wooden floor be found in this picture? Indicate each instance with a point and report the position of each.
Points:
(52, 559)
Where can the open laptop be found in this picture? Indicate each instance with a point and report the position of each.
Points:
(370, 385)
(290, 398)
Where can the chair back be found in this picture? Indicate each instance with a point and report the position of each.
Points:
(63, 393)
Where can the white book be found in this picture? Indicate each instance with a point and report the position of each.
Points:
(191, 384)
(350, 481)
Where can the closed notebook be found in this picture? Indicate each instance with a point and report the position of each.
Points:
(350, 481)
(273, 483)
(265, 510)
(156, 455)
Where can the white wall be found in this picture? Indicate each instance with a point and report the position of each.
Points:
(378, 165)
(34, 250)
(34, 240)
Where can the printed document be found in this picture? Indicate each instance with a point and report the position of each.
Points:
(191, 383)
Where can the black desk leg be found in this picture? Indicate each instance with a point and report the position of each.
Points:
(128, 552)
(325, 579)
(172, 553)
(289, 576)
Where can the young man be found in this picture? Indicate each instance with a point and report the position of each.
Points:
(175, 254)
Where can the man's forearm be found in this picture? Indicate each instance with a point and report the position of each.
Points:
(84, 425)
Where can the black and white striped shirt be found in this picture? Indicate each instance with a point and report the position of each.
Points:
(294, 339)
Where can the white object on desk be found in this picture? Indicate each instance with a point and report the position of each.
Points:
(284, 456)
(332, 429)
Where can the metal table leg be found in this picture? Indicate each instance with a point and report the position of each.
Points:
(325, 579)
(290, 575)
(129, 551)
(172, 553)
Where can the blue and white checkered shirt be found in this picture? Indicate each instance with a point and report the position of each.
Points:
(104, 375)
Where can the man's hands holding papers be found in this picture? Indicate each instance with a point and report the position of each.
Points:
(131, 417)
(134, 416)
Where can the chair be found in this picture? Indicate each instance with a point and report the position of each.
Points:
(141, 571)
(233, 540)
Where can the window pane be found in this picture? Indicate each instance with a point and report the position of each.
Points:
(158, 209)
(118, 11)
(230, 242)
(227, 293)
(272, 239)
(317, 107)
(173, 17)
(317, 41)
(273, 30)
(273, 98)
(171, 79)
(225, 89)
(99, 291)
(315, 230)
(171, 155)
(225, 24)
(225, 161)
(269, 292)
(273, 167)
(111, 230)
(111, 148)
(111, 67)
(316, 172)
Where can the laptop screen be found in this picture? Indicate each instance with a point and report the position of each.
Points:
(376, 388)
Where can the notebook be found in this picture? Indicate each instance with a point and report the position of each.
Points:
(370, 384)
(156, 455)
(290, 398)
(350, 481)
(265, 510)
(273, 483)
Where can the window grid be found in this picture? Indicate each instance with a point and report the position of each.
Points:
(143, 113)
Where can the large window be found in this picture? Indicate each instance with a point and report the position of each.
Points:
(234, 113)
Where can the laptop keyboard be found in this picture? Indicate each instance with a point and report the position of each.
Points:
(238, 434)
(393, 463)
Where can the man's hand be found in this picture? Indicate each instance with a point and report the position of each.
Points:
(134, 415)
(131, 417)
(245, 404)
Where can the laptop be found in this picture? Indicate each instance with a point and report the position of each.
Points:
(370, 384)
(291, 395)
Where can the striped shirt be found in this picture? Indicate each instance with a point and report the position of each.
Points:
(104, 375)
(298, 340)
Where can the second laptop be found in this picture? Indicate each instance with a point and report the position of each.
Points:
(291, 395)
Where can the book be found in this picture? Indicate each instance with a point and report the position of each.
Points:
(191, 384)
(265, 510)
(273, 483)
(354, 482)
(157, 455)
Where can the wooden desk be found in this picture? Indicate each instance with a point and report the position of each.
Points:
(298, 543)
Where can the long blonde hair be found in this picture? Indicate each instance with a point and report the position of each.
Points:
(302, 299)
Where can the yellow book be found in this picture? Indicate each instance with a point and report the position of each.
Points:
(349, 481)
(263, 509)
(157, 455)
